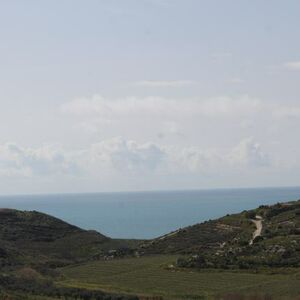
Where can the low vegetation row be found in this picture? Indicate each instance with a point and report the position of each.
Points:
(47, 288)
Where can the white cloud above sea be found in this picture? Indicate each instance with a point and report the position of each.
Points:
(167, 137)
(43, 161)
(126, 156)
(249, 153)
(148, 95)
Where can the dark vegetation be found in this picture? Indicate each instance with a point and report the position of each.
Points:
(277, 247)
(156, 275)
(35, 249)
(34, 245)
(39, 240)
(31, 287)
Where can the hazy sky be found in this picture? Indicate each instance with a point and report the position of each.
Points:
(107, 95)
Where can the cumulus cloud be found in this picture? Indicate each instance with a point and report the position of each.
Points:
(16, 160)
(292, 65)
(128, 157)
(249, 153)
(195, 159)
(191, 137)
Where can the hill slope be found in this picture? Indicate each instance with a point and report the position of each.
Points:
(266, 236)
(207, 235)
(33, 238)
(33, 244)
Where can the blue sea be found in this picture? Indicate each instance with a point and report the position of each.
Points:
(146, 215)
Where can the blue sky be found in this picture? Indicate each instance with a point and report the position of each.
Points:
(149, 94)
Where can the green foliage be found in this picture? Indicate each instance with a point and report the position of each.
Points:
(47, 288)
(158, 276)
(279, 245)
(42, 257)
(33, 238)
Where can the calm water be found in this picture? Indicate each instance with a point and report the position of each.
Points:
(147, 214)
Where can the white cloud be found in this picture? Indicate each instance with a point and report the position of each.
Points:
(249, 153)
(43, 161)
(164, 83)
(190, 136)
(127, 157)
(110, 109)
(195, 159)
(171, 117)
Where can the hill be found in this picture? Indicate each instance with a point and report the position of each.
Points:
(33, 245)
(268, 236)
(43, 257)
(36, 239)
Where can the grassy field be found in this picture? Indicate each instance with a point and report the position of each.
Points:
(150, 276)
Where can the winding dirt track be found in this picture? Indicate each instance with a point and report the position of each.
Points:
(258, 223)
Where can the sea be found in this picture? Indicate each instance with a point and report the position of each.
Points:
(145, 215)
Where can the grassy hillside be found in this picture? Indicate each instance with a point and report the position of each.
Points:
(278, 244)
(33, 238)
(153, 275)
(33, 245)
(251, 255)
(218, 259)
(200, 237)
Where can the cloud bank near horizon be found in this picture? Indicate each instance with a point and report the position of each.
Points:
(163, 140)
(149, 95)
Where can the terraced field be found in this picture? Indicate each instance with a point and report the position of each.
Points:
(151, 276)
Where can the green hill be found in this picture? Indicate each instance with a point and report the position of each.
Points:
(43, 257)
(36, 239)
(235, 241)
(33, 245)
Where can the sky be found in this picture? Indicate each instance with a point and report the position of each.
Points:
(128, 95)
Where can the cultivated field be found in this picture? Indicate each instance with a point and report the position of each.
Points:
(151, 276)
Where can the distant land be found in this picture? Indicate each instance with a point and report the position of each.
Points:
(254, 254)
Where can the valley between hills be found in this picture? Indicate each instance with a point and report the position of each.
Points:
(254, 254)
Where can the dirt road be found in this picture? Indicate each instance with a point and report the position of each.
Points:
(258, 223)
